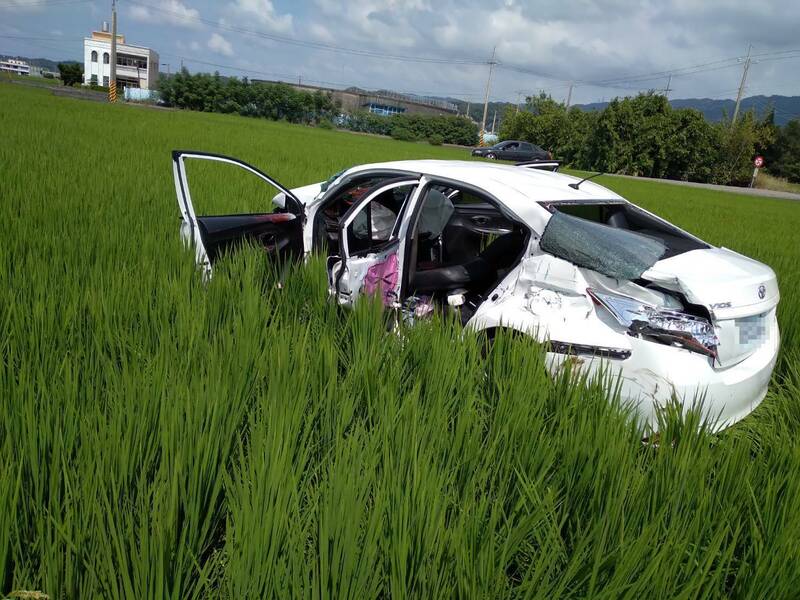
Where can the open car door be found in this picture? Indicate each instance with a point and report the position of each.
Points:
(369, 244)
(279, 233)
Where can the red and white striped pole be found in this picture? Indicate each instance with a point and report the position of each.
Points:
(112, 80)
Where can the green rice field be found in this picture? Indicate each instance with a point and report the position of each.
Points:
(164, 438)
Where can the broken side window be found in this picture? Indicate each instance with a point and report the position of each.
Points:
(618, 253)
(436, 212)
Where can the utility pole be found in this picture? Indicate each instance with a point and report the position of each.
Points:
(668, 89)
(468, 103)
(166, 65)
(112, 80)
(494, 120)
(741, 85)
(492, 63)
(569, 94)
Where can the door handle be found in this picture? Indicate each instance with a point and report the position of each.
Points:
(481, 220)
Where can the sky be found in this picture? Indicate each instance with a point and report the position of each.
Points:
(603, 48)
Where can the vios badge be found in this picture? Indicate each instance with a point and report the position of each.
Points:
(762, 291)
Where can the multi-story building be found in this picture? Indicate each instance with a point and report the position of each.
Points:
(12, 65)
(137, 66)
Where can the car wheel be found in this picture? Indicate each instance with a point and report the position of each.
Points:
(491, 156)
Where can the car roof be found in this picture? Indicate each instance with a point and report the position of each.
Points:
(520, 189)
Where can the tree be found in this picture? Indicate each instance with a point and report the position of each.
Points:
(71, 73)
(783, 156)
(690, 145)
(736, 146)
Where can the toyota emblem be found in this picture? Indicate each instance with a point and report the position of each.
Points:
(762, 291)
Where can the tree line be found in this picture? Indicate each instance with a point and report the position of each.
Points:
(214, 93)
(645, 136)
(435, 129)
(280, 101)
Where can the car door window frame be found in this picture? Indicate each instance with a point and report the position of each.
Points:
(182, 183)
(292, 204)
(362, 204)
(395, 238)
(411, 217)
(333, 192)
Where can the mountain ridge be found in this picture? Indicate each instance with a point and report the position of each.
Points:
(714, 109)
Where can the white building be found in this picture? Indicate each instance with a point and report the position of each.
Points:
(137, 66)
(12, 65)
(43, 72)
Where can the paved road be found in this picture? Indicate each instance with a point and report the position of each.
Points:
(81, 93)
(722, 188)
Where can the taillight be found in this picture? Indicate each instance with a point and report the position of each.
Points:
(665, 325)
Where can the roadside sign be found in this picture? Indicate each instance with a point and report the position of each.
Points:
(758, 162)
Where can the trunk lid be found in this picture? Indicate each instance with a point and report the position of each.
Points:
(739, 293)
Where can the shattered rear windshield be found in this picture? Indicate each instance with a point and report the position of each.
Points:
(618, 253)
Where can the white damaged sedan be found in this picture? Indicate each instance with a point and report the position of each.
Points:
(603, 282)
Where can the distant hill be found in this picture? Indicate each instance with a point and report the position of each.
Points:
(45, 63)
(786, 107)
(476, 110)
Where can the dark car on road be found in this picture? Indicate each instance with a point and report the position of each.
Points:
(513, 150)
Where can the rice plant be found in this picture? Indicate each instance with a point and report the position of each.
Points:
(164, 438)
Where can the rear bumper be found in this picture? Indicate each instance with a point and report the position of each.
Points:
(655, 374)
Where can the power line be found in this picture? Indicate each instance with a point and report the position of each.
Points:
(28, 37)
(765, 105)
(529, 71)
(778, 58)
(777, 52)
(43, 3)
(660, 74)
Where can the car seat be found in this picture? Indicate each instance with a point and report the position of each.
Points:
(476, 272)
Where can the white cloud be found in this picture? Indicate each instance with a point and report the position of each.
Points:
(220, 45)
(264, 13)
(194, 46)
(320, 32)
(173, 12)
(22, 5)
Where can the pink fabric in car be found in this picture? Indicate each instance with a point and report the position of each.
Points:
(382, 277)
